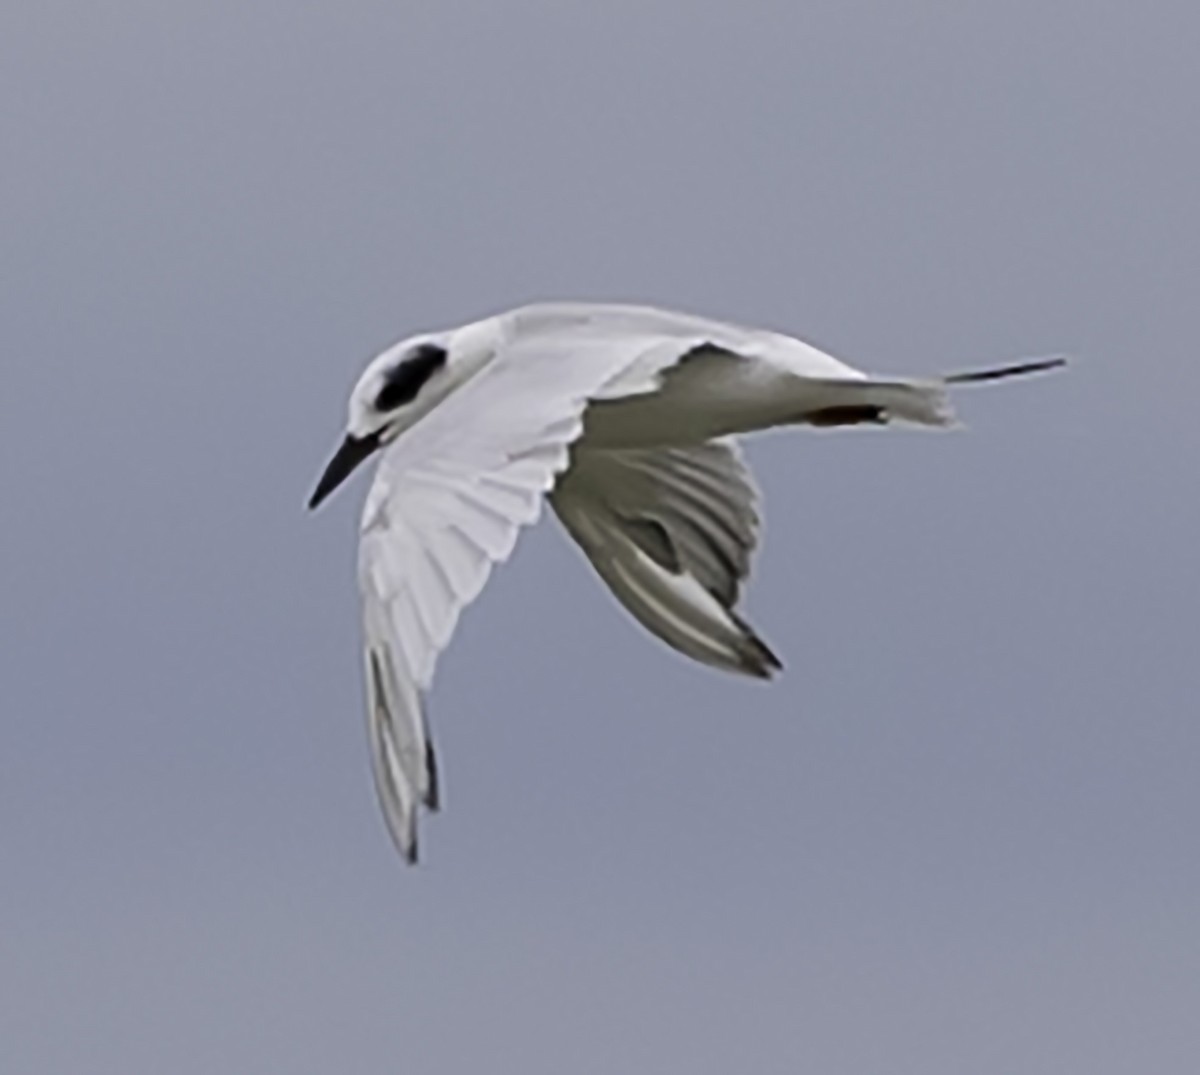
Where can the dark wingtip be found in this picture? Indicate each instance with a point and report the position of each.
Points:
(758, 658)
(768, 662)
(433, 793)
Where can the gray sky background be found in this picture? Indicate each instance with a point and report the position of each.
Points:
(959, 835)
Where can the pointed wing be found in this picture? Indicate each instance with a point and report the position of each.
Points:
(671, 531)
(449, 497)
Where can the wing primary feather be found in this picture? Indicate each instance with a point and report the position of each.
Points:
(390, 782)
(759, 658)
(433, 790)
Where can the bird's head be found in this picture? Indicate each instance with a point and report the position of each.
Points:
(396, 389)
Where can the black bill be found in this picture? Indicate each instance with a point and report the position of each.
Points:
(353, 451)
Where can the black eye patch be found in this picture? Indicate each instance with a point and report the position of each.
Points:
(405, 379)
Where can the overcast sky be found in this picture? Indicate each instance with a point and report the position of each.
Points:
(958, 835)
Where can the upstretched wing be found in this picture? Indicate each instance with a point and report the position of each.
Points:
(671, 531)
(449, 498)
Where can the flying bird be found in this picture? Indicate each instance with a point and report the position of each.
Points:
(624, 418)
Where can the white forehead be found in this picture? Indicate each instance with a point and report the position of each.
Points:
(372, 376)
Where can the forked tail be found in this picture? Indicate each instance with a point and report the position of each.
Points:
(919, 402)
(997, 373)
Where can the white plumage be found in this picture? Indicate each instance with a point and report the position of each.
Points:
(622, 417)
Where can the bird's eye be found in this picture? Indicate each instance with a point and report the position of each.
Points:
(404, 380)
